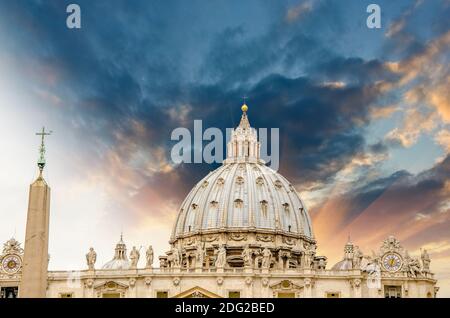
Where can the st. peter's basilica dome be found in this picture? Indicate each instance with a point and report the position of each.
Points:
(120, 259)
(243, 195)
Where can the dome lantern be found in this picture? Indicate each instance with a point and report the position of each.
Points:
(243, 145)
(120, 260)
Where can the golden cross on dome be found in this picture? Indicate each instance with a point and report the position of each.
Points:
(41, 161)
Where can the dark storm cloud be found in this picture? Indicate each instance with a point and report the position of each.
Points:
(353, 70)
(401, 194)
(407, 34)
(321, 127)
(129, 64)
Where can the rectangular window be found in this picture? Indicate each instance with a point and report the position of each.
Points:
(162, 294)
(66, 295)
(393, 291)
(111, 295)
(234, 294)
(286, 295)
(9, 292)
(332, 295)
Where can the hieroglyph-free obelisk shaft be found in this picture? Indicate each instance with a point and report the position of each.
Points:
(35, 262)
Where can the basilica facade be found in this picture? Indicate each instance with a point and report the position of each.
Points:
(242, 231)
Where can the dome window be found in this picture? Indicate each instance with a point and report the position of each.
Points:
(238, 203)
(213, 203)
(286, 207)
(205, 184)
(239, 180)
(259, 181)
(220, 181)
(278, 184)
(194, 206)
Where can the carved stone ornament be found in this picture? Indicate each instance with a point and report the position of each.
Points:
(265, 281)
(211, 238)
(219, 281)
(197, 294)
(356, 283)
(391, 244)
(132, 282)
(89, 283)
(265, 238)
(249, 280)
(12, 247)
(289, 240)
(237, 236)
(284, 254)
(286, 285)
(111, 287)
(176, 281)
(190, 241)
(148, 281)
(308, 282)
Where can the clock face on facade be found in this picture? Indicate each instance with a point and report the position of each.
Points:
(392, 262)
(11, 264)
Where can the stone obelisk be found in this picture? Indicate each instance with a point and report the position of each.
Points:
(35, 261)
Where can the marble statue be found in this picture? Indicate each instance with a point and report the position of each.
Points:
(221, 259)
(309, 256)
(176, 257)
(370, 265)
(247, 256)
(149, 256)
(267, 258)
(357, 257)
(199, 255)
(91, 258)
(425, 261)
(413, 266)
(258, 258)
(134, 257)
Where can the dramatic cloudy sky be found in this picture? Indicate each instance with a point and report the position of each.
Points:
(364, 115)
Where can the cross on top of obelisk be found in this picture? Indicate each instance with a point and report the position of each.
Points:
(41, 161)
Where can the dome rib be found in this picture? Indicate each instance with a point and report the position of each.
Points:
(211, 186)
